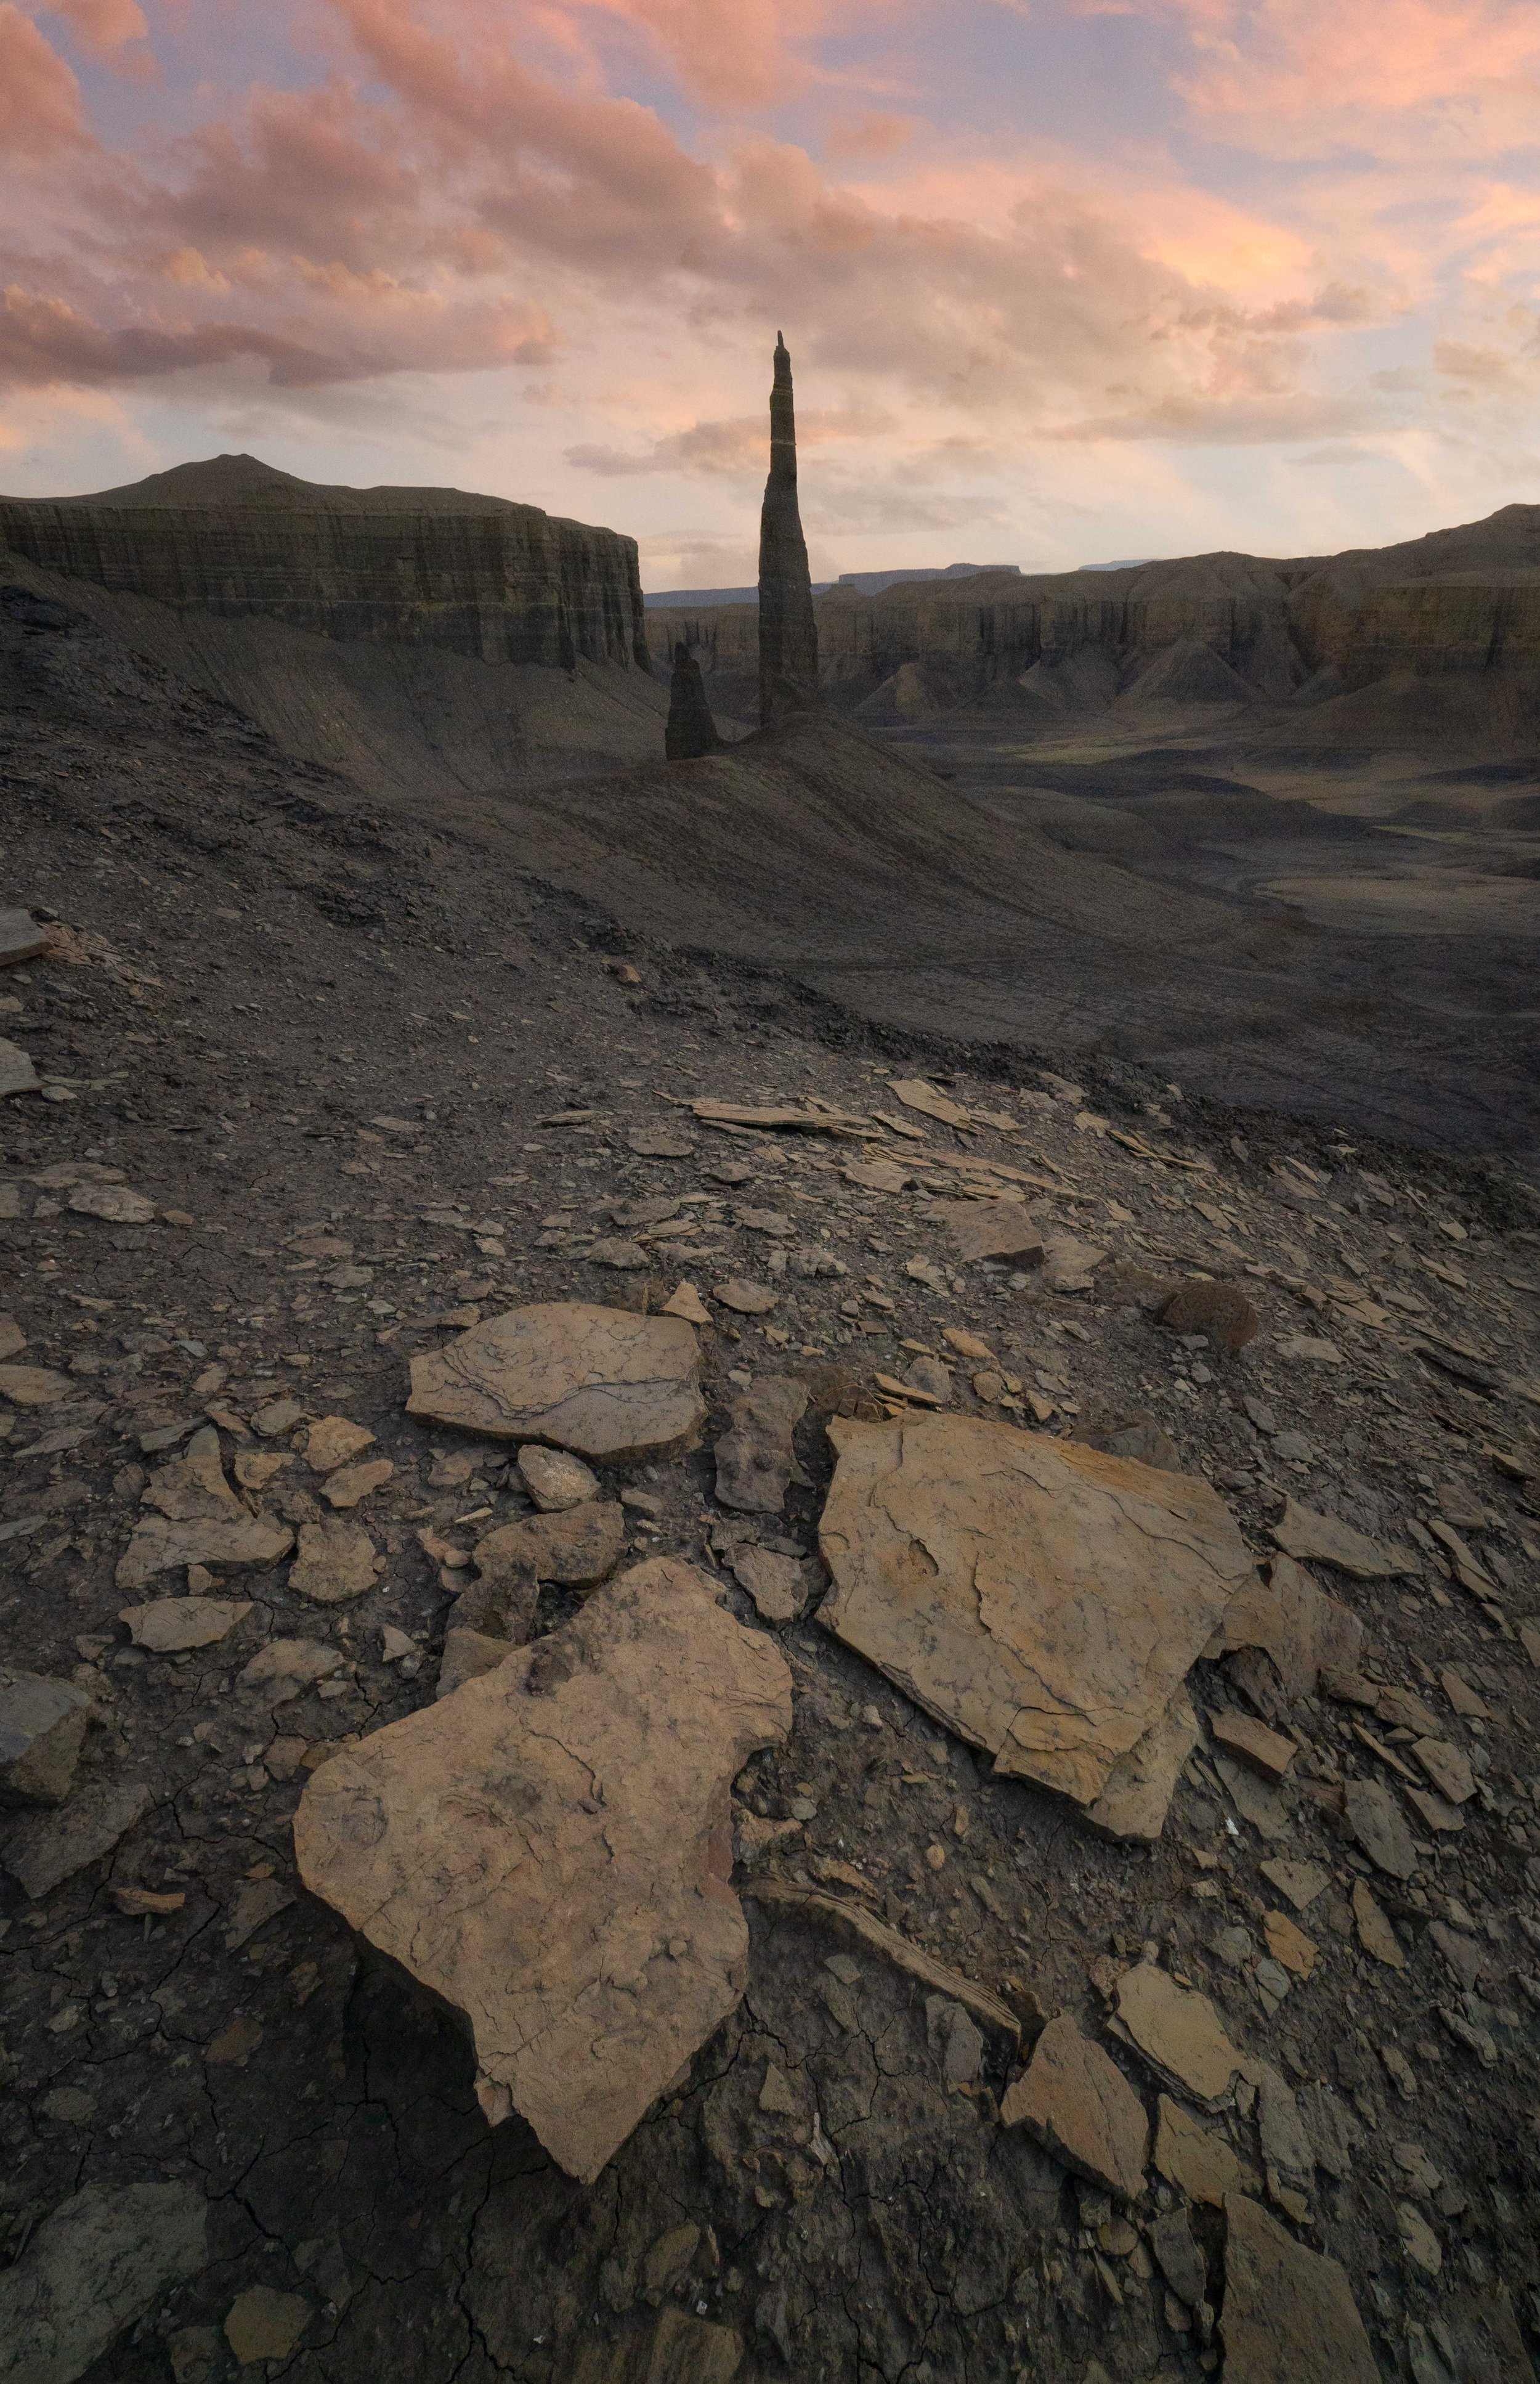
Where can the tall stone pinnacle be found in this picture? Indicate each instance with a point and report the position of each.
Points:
(691, 730)
(788, 635)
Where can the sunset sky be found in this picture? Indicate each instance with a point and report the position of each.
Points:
(1062, 282)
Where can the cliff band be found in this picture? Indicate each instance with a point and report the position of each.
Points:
(1461, 604)
(474, 575)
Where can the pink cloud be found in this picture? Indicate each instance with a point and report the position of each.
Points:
(1302, 76)
(466, 192)
(40, 100)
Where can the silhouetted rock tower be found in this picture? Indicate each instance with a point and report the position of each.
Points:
(788, 635)
(691, 730)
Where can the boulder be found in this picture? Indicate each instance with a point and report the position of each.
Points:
(1044, 1600)
(42, 1725)
(778, 1584)
(114, 1204)
(333, 1441)
(1080, 2108)
(192, 1488)
(101, 2260)
(602, 1381)
(1218, 1309)
(34, 1386)
(550, 1850)
(22, 939)
(17, 1071)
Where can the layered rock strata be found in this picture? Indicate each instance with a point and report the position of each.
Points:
(472, 574)
(1465, 600)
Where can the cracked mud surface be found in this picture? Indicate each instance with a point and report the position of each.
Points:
(324, 1042)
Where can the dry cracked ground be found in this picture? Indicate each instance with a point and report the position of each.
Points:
(999, 2091)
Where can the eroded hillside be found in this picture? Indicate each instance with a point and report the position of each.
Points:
(323, 1092)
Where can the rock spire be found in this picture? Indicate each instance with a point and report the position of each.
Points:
(788, 637)
(691, 730)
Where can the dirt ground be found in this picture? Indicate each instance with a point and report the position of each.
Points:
(328, 1046)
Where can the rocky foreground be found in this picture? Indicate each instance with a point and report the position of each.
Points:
(693, 1695)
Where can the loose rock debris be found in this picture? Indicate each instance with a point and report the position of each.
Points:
(312, 1224)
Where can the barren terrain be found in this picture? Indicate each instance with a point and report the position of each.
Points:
(322, 1086)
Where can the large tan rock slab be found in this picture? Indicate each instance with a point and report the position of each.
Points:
(1377, 1822)
(1293, 1620)
(602, 1381)
(1044, 1599)
(1077, 2103)
(550, 1850)
(1288, 2315)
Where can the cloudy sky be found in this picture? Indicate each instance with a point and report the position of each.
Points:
(1063, 281)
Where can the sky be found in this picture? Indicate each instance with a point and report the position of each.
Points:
(1063, 281)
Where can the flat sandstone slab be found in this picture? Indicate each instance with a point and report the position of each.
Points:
(602, 1381)
(1044, 1600)
(549, 1849)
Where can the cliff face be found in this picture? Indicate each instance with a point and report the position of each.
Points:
(474, 575)
(1462, 600)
